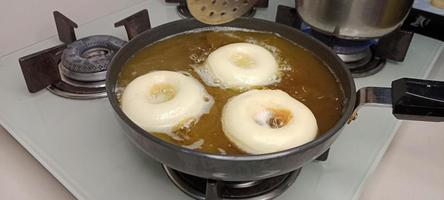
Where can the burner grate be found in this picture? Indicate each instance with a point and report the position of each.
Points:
(77, 69)
(201, 188)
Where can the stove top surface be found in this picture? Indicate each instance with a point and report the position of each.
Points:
(82, 145)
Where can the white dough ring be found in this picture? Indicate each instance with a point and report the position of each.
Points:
(160, 101)
(241, 65)
(266, 121)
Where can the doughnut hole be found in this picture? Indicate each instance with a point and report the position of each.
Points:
(243, 60)
(161, 93)
(273, 117)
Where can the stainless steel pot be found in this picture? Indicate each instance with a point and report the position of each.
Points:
(354, 19)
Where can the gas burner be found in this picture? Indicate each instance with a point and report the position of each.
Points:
(358, 55)
(83, 67)
(200, 188)
(184, 12)
(363, 64)
(362, 57)
(340, 46)
(77, 69)
(87, 59)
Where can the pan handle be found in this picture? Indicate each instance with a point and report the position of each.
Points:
(410, 99)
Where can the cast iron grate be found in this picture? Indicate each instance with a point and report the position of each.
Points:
(201, 188)
(44, 69)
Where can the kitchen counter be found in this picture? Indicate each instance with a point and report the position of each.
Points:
(412, 168)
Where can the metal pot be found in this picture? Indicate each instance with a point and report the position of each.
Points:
(244, 167)
(354, 19)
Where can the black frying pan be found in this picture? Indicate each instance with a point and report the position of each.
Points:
(413, 99)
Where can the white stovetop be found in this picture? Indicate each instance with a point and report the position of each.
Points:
(16, 187)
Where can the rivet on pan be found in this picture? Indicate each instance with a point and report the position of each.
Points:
(352, 117)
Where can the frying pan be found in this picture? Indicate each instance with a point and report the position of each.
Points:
(413, 99)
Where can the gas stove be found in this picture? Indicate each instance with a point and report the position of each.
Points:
(80, 143)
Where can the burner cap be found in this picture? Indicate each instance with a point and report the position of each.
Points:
(363, 56)
(87, 59)
(265, 189)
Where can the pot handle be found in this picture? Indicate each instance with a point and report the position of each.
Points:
(411, 99)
